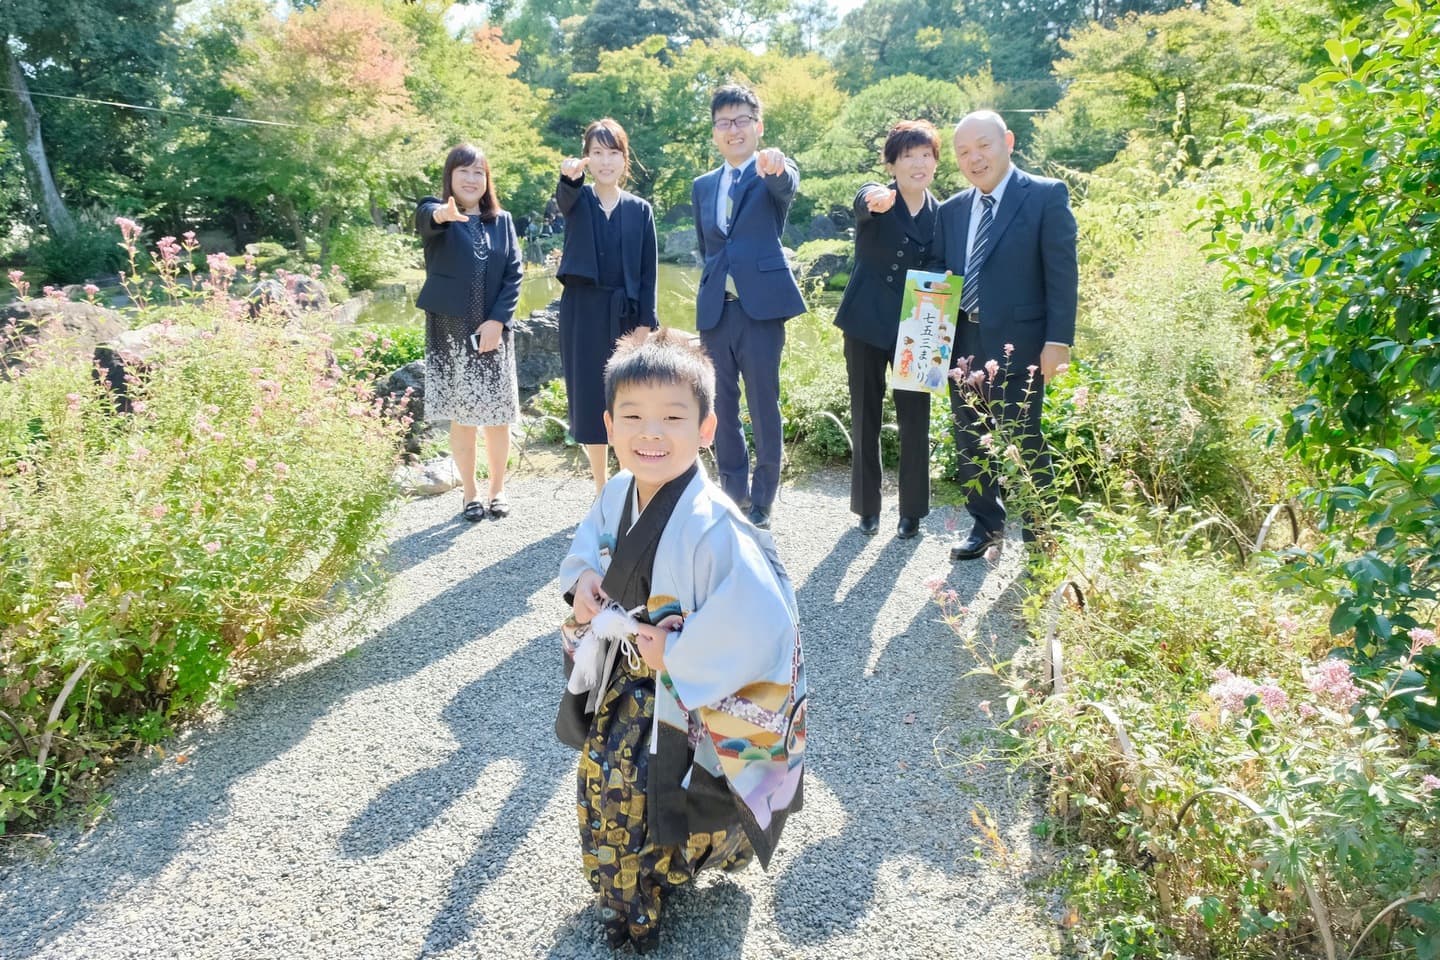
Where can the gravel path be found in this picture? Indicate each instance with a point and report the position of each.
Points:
(402, 795)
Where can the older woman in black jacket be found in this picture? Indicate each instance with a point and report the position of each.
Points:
(472, 285)
(894, 230)
(609, 271)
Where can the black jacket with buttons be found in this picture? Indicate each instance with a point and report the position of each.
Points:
(886, 245)
(450, 264)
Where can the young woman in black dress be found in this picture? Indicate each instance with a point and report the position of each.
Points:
(608, 269)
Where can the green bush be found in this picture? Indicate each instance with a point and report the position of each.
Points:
(374, 351)
(552, 406)
(1219, 682)
(367, 255)
(167, 550)
(93, 251)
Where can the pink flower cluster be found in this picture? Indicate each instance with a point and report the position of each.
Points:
(1331, 680)
(18, 281)
(1421, 639)
(129, 229)
(1429, 783)
(1231, 692)
(169, 250)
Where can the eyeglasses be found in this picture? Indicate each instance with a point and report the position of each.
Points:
(738, 123)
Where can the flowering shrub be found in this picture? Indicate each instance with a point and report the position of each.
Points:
(1223, 689)
(161, 553)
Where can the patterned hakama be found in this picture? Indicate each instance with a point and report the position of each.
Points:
(628, 870)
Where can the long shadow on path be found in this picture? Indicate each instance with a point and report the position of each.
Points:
(155, 819)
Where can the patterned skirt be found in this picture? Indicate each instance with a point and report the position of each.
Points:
(629, 872)
(463, 385)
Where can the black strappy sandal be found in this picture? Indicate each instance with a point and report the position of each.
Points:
(474, 511)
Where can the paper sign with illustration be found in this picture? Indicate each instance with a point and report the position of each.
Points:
(926, 337)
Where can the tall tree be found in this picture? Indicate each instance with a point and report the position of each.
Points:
(332, 81)
(53, 49)
(617, 24)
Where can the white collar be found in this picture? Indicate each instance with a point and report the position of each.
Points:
(743, 167)
(997, 193)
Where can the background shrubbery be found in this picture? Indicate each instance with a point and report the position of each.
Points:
(168, 550)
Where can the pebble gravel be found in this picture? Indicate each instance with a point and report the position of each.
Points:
(400, 794)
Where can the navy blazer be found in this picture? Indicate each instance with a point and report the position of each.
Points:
(1030, 280)
(450, 264)
(639, 255)
(886, 245)
(750, 253)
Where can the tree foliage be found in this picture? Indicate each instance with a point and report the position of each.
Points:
(1339, 247)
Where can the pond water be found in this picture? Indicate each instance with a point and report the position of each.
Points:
(676, 284)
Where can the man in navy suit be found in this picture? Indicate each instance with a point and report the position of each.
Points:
(1012, 237)
(746, 292)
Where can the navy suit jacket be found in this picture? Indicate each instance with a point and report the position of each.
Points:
(886, 245)
(1030, 280)
(750, 253)
(450, 264)
(638, 249)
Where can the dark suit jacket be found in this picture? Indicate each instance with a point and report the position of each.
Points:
(450, 264)
(638, 252)
(1030, 280)
(750, 252)
(886, 245)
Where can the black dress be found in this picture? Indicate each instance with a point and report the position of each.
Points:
(592, 317)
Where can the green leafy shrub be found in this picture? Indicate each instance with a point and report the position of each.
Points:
(377, 350)
(169, 550)
(367, 255)
(1217, 683)
(552, 407)
(93, 251)
(1337, 246)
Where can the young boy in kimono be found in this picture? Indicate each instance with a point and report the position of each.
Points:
(694, 751)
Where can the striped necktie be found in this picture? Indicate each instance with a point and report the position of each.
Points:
(730, 195)
(970, 288)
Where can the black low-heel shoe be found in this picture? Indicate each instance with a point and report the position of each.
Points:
(870, 524)
(474, 511)
(907, 528)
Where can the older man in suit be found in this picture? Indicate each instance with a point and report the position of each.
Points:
(746, 292)
(1011, 236)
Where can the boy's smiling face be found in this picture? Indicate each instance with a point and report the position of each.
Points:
(657, 432)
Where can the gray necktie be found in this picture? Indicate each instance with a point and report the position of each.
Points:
(970, 288)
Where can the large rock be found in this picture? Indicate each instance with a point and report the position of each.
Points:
(823, 228)
(289, 297)
(77, 326)
(403, 392)
(828, 265)
(680, 246)
(128, 354)
(537, 349)
(429, 479)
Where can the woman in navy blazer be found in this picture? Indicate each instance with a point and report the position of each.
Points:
(608, 269)
(472, 285)
(894, 232)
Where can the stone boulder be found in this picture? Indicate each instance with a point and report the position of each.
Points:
(823, 228)
(78, 326)
(290, 297)
(403, 393)
(429, 479)
(129, 354)
(827, 265)
(537, 349)
(680, 246)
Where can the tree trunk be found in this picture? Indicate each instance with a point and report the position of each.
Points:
(377, 216)
(37, 166)
(288, 211)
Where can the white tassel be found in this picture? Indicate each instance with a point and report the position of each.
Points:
(612, 623)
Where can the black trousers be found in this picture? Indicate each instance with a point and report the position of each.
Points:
(866, 367)
(1012, 404)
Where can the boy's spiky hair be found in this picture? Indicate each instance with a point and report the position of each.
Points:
(661, 356)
